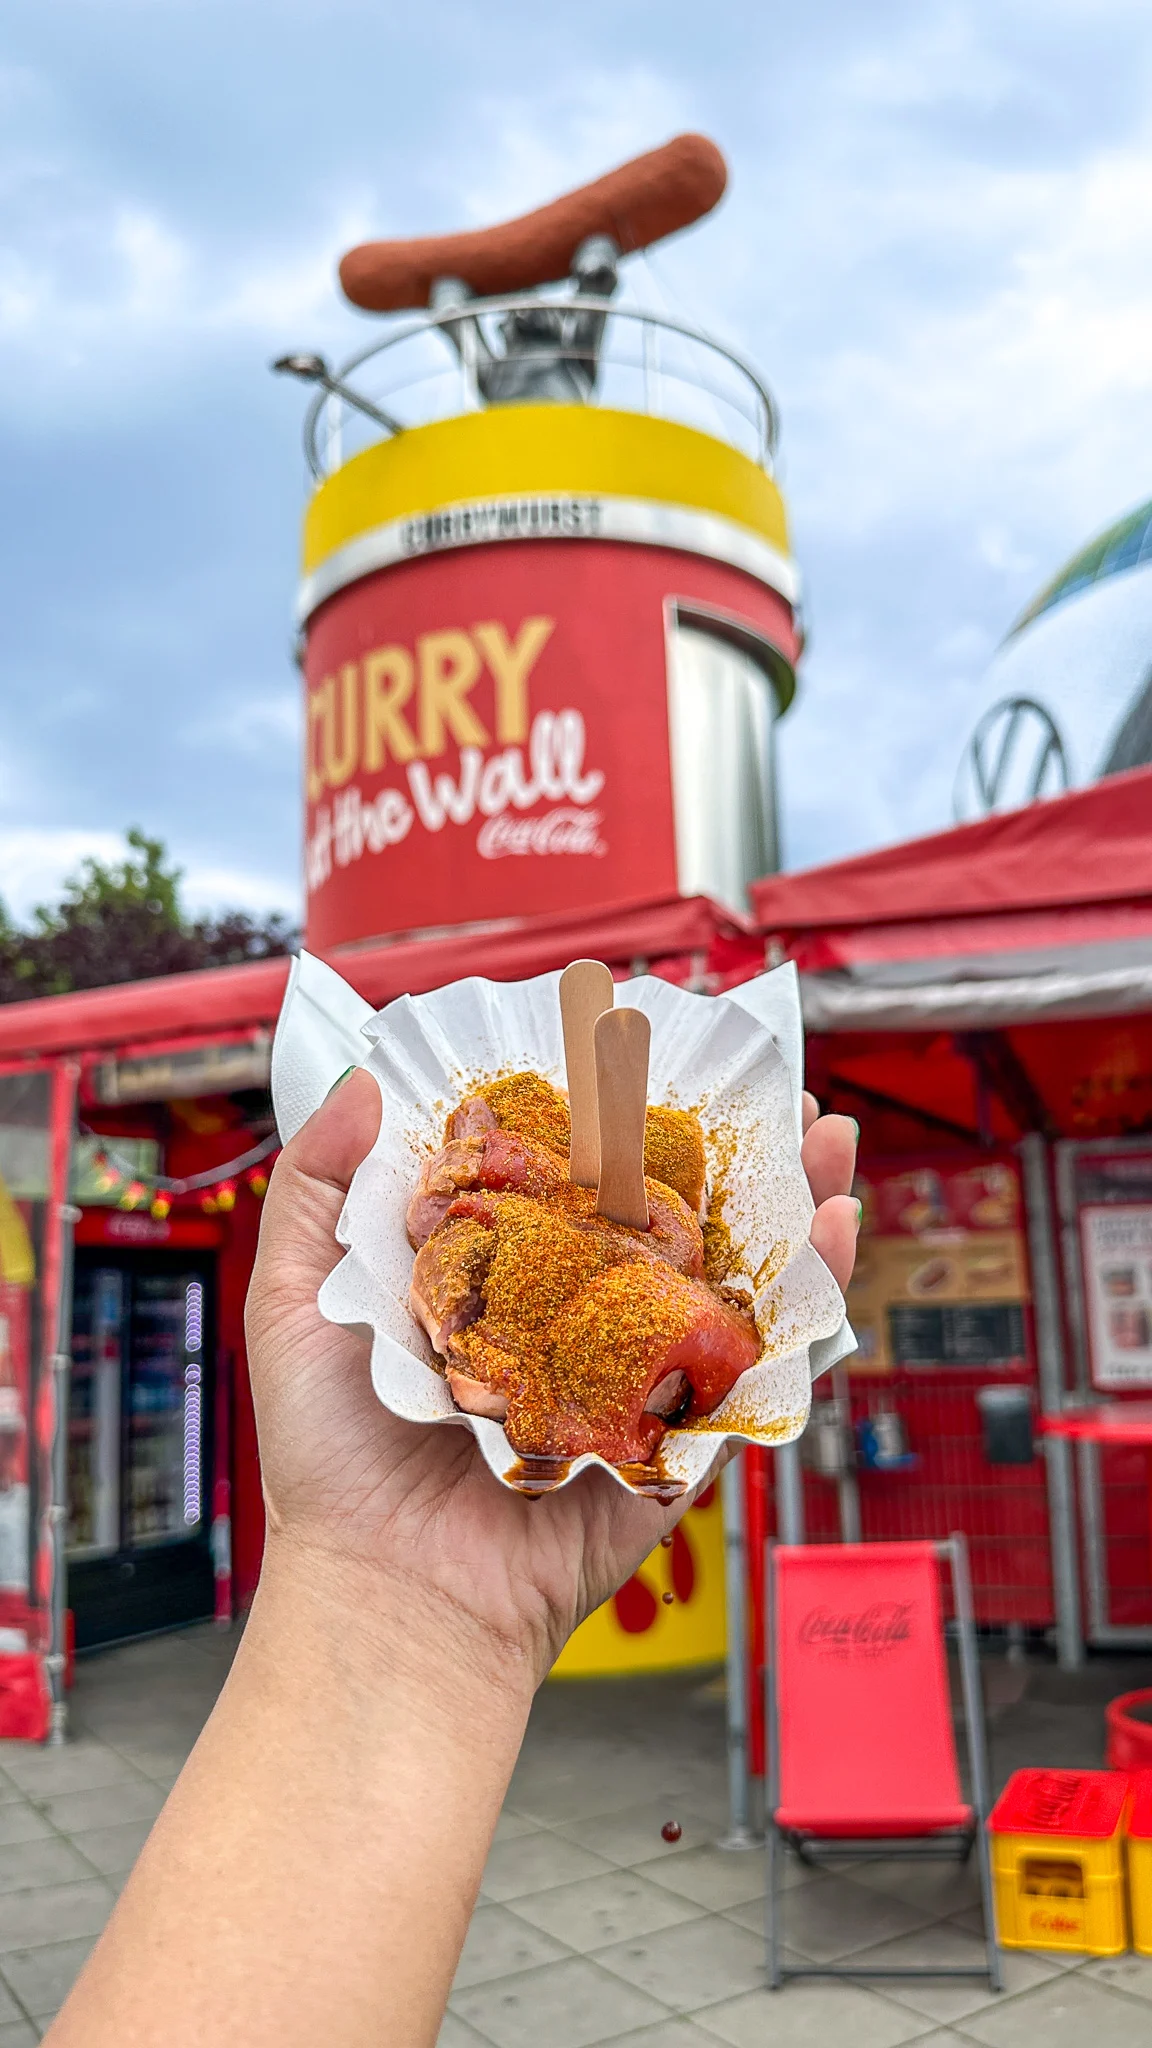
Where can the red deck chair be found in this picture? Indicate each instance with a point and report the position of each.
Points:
(861, 1753)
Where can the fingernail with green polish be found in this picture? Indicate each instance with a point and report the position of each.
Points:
(339, 1078)
(859, 1214)
(855, 1127)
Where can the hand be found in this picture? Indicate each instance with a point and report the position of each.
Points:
(350, 1487)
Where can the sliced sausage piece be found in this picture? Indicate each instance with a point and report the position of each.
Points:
(446, 1293)
(473, 1119)
(614, 1348)
(474, 1397)
(498, 1160)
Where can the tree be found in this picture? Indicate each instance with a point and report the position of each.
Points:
(123, 921)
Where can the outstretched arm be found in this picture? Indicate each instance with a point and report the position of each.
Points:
(313, 1872)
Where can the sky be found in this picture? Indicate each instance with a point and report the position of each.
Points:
(936, 245)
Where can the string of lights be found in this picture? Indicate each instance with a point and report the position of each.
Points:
(217, 1186)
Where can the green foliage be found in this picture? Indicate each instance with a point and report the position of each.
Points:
(124, 921)
(145, 882)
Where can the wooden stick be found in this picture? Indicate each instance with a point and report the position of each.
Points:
(586, 991)
(622, 1042)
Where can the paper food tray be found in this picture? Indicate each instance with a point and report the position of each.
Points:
(736, 1060)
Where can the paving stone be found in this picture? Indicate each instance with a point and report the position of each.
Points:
(510, 1824)
(943, 2037)
(1132, 1974)
(453, 2034)
(589, 1784)
(20, 2034)
(533, 1862)
(1067, 2012)
(810, 2015)
(107, 1806)
(566, 2005)
(52, 1913)
(113, 1850)
(42, 1977)
(948, 1888)
(945, 2000)
(21, 1822)
(690, 1966)
(9, 2010)
(828, 1920)
(49, 1860)
(631, 1834)
(669, 2034)
(499, 1944)
(73, 1767)
(614, 1906)
(710, 1877)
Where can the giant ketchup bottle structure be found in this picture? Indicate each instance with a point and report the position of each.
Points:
(547, 625)
(548, 605)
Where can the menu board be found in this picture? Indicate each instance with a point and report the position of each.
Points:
(941, 1274)
(1116, 1241)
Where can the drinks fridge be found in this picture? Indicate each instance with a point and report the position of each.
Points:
(139, 1412)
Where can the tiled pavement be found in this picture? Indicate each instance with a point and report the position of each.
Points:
(590, 1928)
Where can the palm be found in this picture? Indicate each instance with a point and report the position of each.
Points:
(341, 1474)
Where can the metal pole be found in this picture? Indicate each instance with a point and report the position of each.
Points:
(739, 1834)
(848, 1484)
(789, 1494)
(1051, 1365)
(772, 1786)
(63, 1115)
(956, 1550)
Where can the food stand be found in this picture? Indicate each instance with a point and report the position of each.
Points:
(981, 1001)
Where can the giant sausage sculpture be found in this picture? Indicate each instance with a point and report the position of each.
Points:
(639, 203)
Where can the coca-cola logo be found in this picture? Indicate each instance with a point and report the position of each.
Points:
(1042, 1922)
(870, 1629)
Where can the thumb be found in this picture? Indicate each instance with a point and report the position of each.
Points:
(307, 1190)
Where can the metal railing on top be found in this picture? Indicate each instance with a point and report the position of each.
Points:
(676, 372)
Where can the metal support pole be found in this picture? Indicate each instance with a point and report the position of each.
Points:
(772, 1843)
(848, 1484)
(789, 1494)
(739, 1834)
(1050, 1359)
(60, 1222)
(956, 1550)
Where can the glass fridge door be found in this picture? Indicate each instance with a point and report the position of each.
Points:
(94, 1411)
(163, 1478)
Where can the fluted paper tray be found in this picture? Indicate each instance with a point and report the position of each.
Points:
(735, 1059)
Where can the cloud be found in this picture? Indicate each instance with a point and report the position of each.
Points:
(207, 889)
(250, 728)
(934, 246)
(35, 863)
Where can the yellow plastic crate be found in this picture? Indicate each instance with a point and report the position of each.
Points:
(1058, 1878)
(1140, 1862)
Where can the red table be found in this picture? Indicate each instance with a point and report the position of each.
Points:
(1123, 1424)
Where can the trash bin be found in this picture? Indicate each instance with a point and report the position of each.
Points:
(1006, 1420)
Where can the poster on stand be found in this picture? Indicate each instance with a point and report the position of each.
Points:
(941, 1277)
(1116, 1244)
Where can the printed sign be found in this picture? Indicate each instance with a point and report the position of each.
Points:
(487, 733)
(1116, 1242)
(864, 1632)
(941, 1276)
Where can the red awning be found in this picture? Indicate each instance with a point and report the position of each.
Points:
(1092, 847)
(223, 1001)
(1039, 913)
(986, 981)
